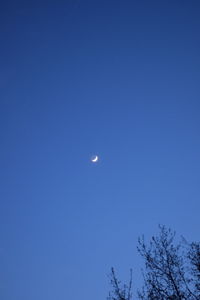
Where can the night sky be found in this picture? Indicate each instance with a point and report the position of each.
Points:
(120, 79)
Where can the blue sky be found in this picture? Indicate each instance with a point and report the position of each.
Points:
(115, 78)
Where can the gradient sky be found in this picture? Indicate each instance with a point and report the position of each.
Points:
(115, 78)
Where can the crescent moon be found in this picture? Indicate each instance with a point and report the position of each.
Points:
(94, 158)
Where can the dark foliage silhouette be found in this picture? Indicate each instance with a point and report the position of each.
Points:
(119, 291)
(172, 270)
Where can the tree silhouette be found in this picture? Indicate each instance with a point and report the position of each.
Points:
(119, 291)
(172, 270)
(194, 257)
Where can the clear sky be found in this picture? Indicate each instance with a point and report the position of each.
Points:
(115, 78)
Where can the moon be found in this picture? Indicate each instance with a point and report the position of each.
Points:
(94, 158)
